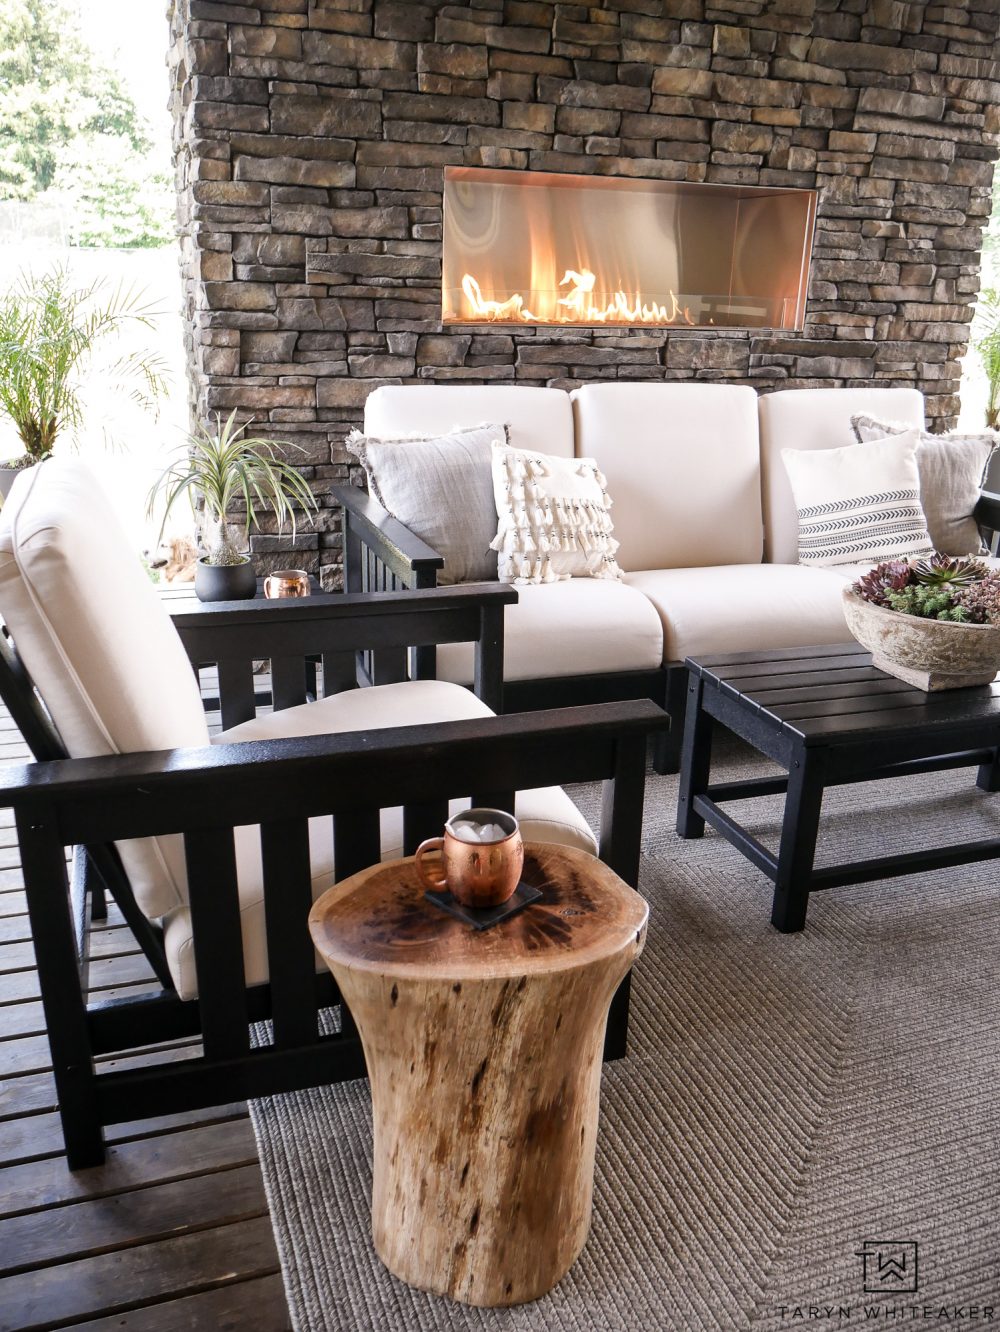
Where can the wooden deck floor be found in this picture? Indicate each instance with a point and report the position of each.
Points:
(172, 1233)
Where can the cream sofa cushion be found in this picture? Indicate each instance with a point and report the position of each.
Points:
(546, 814)
(814, 419)
(745, 607)
(98, 643)
(682, 467)
(580, 626)
(539, 418)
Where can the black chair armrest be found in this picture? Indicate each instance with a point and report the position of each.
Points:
(181, 790)
(987, 515)
(366, 523)
(336, 626)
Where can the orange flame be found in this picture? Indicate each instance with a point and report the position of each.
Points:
(577, 306)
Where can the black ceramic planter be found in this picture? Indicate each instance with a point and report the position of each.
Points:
(225, 582)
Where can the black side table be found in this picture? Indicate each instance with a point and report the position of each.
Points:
(829, 718)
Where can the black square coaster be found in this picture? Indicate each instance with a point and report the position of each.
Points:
(485, 917)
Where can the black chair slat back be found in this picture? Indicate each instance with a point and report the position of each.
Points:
(218, 941)
(357, 841)
(291, 961)
(422, 821)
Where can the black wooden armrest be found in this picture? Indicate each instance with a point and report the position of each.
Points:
(411, 560)
(182, 790)
(337, 620)
(987, 510)
(987, 516)
(335, 626)
(288, 772)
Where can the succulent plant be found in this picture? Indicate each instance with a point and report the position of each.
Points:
(960, 590)
(928, 603)
(949, 571)
(981, 601)
(884, 578)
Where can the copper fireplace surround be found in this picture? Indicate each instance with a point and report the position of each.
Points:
(536, 248)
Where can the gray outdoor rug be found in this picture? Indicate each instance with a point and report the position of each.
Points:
(788, 1102)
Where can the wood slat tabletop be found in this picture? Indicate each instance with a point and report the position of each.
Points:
(832, 694)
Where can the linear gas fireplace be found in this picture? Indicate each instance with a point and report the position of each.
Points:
(535, 248)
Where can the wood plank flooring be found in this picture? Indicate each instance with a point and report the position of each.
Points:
(172, 1233)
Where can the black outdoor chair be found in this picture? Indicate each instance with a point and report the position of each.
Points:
(201, 803)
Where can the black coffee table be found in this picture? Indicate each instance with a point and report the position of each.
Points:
(828, 717)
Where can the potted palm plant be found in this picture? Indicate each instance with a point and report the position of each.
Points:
(49, 332)
(237, 477)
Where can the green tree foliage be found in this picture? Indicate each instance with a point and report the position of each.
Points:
(118, 198)
(67, 123)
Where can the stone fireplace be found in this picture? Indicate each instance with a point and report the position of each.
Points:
(316, 139)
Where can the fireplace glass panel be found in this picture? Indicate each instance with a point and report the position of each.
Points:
(534, 248)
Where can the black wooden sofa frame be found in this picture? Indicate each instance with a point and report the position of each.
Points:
(381, 554)
(203, 794)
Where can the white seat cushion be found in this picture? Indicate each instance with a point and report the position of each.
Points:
(683, 470)
(539, 418)
(579, 626)
(98, 642)
(745, 607)
(546, 814)
(814, 419)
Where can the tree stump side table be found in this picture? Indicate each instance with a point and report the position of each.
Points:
(484, 1054)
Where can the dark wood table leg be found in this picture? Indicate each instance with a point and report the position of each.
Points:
(798, 841)
(988, 776)
(696, 760)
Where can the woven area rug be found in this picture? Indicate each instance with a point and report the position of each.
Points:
(795, 1109)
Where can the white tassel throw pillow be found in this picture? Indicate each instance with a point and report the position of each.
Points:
(555, 519)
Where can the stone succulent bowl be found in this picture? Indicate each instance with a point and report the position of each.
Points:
(929, 654)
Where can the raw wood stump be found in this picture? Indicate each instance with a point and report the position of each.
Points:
(484, 1055)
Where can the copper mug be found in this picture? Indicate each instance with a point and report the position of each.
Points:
(287, 583)
(476, 873)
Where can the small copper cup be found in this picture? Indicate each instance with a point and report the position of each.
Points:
(477, 874)
(287, 583)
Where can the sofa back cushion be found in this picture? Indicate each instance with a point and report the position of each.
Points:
(539, 418)
(814, 419)
(98, 642)
(682, 468)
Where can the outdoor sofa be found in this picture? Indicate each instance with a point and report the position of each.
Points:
(702, 508)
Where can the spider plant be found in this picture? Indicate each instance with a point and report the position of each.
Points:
(49, 331)
(232, 471)
(986, 341)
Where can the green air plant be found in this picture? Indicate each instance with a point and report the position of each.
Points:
(49, 331)
(238, 478)
(986, 341)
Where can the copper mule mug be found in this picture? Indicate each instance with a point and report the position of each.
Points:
(287, 583)
(478, 873)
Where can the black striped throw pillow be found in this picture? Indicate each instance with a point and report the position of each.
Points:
(860, 504)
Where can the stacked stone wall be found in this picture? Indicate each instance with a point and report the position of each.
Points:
(311, 138)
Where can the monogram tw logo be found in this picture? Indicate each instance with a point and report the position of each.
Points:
(890, 1266)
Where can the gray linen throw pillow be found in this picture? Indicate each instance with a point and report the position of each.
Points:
(441, 488)
(951, 471)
